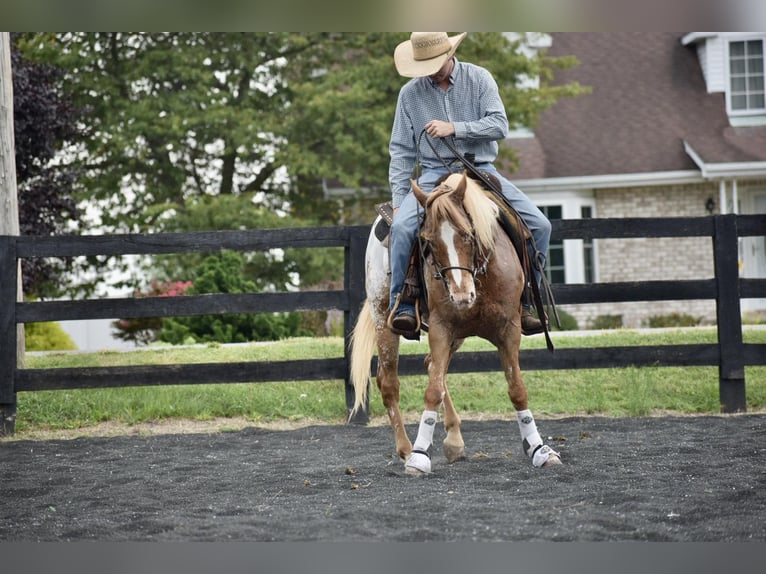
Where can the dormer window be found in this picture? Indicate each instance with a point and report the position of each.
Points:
(746, 73)
(733, 63)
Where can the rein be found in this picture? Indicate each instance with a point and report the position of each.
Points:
(535, 261)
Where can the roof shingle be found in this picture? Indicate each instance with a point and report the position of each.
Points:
(648, 97)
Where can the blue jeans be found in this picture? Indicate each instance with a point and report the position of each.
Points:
(407, 221)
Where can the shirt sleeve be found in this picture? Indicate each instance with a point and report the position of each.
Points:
(493, 122)
(402, 151)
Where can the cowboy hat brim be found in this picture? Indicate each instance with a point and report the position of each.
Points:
(409, 67)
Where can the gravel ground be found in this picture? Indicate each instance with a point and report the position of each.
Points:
(624, 479)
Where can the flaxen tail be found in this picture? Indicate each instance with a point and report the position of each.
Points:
(363, 340)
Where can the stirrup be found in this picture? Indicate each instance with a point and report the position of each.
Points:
(413, 335)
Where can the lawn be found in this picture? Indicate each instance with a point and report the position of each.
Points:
(613, 392)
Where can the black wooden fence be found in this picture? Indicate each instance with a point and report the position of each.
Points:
(730, 354)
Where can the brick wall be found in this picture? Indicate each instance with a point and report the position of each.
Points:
(646, 259)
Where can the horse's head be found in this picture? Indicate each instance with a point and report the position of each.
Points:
(458, 234)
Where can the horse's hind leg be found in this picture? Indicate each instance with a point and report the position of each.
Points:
(540, 453)
(387, 379)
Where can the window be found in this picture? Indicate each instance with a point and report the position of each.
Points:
(555, 256)
(746, 72)
(570, 260)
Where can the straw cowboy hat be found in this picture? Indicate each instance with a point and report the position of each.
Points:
(425, 53)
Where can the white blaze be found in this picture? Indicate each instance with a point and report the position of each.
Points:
(448, 237)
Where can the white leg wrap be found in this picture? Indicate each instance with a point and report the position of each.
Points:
(531, 440)
(425, 436)
(419, 461)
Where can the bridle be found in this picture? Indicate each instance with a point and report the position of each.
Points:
(479, 257)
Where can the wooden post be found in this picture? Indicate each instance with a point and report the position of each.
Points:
(11, 335)
(354, 283)
(731, 370)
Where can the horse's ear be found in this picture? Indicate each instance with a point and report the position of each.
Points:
(420, 195)
(459, 192)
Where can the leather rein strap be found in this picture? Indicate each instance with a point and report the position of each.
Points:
(535, 261)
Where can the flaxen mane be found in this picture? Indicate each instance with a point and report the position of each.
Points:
(482, 212)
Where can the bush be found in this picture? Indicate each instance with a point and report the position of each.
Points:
(568, 322)
(47, 337)
(223, 273)
(607, 322)
(145, 330)
(673, 320)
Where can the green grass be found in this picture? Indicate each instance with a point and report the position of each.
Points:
(613, 392)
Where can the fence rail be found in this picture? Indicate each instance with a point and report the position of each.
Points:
(730, 354)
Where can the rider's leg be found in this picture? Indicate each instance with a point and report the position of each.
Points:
(404, 230)
(540, 228)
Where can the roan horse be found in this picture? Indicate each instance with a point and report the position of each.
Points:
(474, 282)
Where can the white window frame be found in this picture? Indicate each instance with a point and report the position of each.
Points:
(727, 60)
(571, 203)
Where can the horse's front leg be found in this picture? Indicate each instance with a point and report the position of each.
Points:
(437, 362)
(454, 447)
(540, 453)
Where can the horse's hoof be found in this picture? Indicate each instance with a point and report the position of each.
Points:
(545, 456)
(454, 453)
(418, 464)
(553, 460)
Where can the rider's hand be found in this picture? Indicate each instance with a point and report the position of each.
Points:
(440, 129)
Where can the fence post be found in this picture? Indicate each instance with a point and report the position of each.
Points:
(8, 334)
(731, 369)
(355, 251)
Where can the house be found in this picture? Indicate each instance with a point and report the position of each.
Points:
(675, 125)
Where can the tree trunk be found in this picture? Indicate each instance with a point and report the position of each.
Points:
(9, 207)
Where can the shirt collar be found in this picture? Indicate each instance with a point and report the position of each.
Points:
(452, 76)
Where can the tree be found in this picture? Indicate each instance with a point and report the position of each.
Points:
(176, 116)
(180, 120)
(44, 121)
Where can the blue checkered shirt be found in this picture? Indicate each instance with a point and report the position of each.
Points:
(472, 103)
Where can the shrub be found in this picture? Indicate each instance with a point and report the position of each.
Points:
(47, 337)
(673, 320)
(223, 273)
(568, 322)
(607, 322)
(145, 330)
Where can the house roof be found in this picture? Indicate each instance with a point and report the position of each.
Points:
(649, 112)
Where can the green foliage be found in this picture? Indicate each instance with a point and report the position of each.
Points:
(145, 330)
(47, 337)
(223, 273)
(673, 320)
(188, 115)
(607, 322)
(568, 322)
(44, 120)
(185, 129)
(754, 318)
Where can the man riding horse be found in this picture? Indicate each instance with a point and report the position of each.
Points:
(459, 101)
